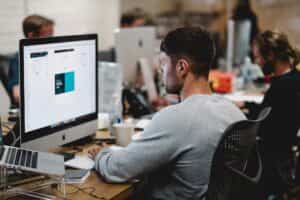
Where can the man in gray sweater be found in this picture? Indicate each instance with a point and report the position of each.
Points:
(175, 150)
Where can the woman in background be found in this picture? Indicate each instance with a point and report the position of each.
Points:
(273, 51)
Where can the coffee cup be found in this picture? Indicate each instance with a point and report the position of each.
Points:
(123, 133)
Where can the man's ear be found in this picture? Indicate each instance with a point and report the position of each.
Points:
(182, 67)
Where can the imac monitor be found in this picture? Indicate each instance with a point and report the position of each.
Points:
(132, 44)
(136, 47)
(58, 84)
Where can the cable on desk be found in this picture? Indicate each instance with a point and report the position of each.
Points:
(72, 192)
(92, 193)
(84, 190)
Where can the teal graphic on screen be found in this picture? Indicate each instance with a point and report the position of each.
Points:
(64, 82)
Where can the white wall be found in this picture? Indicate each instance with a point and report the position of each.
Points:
(11, 15)
(71, 17)
(202, 5)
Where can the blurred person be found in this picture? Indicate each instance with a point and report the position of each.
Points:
(34, 26)
(243, 11)
(273, 51)
(133, 18)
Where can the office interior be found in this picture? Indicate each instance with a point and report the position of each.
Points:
(123, 89)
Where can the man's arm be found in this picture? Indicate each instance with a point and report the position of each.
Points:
(156, 147)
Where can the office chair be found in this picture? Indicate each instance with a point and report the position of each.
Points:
(231, 177)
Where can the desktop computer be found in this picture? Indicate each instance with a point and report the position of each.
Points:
(135, 51)
(59, 92)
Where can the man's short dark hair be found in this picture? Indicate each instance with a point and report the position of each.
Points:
(34, 23)
(195, 44)
(127, 19)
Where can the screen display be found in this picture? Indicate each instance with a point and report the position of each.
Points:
(59, 83)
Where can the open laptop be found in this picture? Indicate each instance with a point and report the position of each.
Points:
(28, 160)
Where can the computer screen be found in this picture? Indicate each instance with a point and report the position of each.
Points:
(132, 44)
(58, 87)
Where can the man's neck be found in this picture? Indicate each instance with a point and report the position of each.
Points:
(282, 68)
(193, 85)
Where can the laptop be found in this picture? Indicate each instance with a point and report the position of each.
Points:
(28, 160)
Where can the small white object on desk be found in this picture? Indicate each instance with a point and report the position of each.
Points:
(103, 120)
(241, 96)
(81, 162)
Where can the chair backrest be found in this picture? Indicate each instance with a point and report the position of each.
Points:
(229, 166)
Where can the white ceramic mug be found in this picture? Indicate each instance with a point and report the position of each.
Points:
(123, 133)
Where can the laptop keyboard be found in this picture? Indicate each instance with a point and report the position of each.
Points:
(20, 157)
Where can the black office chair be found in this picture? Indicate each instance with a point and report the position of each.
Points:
(231, 177)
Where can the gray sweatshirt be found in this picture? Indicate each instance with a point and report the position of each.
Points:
(175, 150)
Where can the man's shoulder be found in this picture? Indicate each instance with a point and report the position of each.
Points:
(166, 112)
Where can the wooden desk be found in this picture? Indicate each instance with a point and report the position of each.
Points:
(102, 190)
(93, 183)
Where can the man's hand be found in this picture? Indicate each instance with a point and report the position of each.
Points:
(93, 152)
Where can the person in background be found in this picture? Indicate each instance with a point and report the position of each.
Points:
(243, 11)
(134, 18)
(272, 50)
(34, 26)
(175, 150)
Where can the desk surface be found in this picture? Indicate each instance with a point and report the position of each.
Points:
(93, 183)
(101, 189)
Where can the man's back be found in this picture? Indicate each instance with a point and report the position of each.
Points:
(175, 150)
